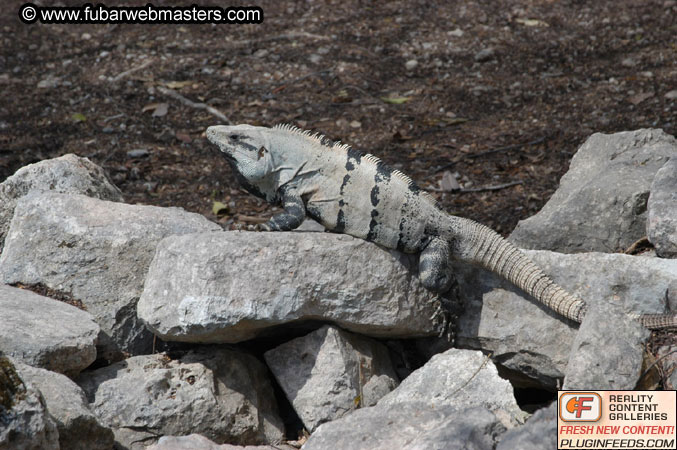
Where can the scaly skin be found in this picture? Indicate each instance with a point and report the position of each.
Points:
(357, 194)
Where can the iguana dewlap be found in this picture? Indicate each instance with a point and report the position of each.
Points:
(357, 194)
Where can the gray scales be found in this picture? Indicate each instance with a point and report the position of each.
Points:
(357, 194)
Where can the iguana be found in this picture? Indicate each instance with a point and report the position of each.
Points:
(357, 194)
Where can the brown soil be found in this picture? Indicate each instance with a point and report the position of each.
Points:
(501, 92)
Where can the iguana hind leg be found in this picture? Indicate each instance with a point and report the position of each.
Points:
(436, 276)
(434, 269)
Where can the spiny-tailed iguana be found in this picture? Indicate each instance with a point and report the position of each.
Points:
(357, 194)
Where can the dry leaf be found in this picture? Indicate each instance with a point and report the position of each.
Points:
(395, 100)
(161, 109)
(219, 208)
(178, 84)
(149, 107)
(639, 98)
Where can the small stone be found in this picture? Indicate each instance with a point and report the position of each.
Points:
(355, 124)
(315, 58)
(138, 153)
(48, 83)
(456, 33)
(411, 64)
(86, 36)
(629, 62)
(671, 95)
(485, 54)
(260, 53)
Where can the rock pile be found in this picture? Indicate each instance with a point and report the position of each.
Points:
(268, 333)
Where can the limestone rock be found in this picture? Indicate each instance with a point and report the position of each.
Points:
(601, 204)
(44, 332)
(219, 393)
(233, 286)
(661, 227)
(198, 442)
(409, 427)
(530, 339)
(68, 173)
(330, 372)
(25, 423)
(540, 432)
(462, 379)
(607, 351)
(66, 403)
(95, 250)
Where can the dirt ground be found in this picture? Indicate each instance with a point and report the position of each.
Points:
(494, 92)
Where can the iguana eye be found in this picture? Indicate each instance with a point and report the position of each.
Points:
(235, 137)
(262, 151)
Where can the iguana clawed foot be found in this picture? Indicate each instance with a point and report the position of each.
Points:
(258, 227)
(444, 318)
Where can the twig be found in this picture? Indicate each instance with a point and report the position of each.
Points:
(648, 369)
(507, 148)
(478, 189)
(282, 85)
(292, 35)
(210, 109)
(251, 219)
(638, 246)
(141, 66)
(117, 116)
(492, 188)
(479, 369)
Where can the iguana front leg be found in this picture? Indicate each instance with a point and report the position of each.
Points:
(293, 215)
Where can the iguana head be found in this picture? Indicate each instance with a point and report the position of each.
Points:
(246, 148)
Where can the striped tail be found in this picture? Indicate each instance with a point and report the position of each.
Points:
(481, 245)
(657, 321)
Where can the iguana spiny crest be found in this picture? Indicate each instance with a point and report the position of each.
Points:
(357, 194)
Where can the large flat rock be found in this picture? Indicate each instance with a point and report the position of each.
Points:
(44, 332)
(97, 251)
(234, 286)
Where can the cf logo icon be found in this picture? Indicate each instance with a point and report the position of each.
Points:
(580, 406)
